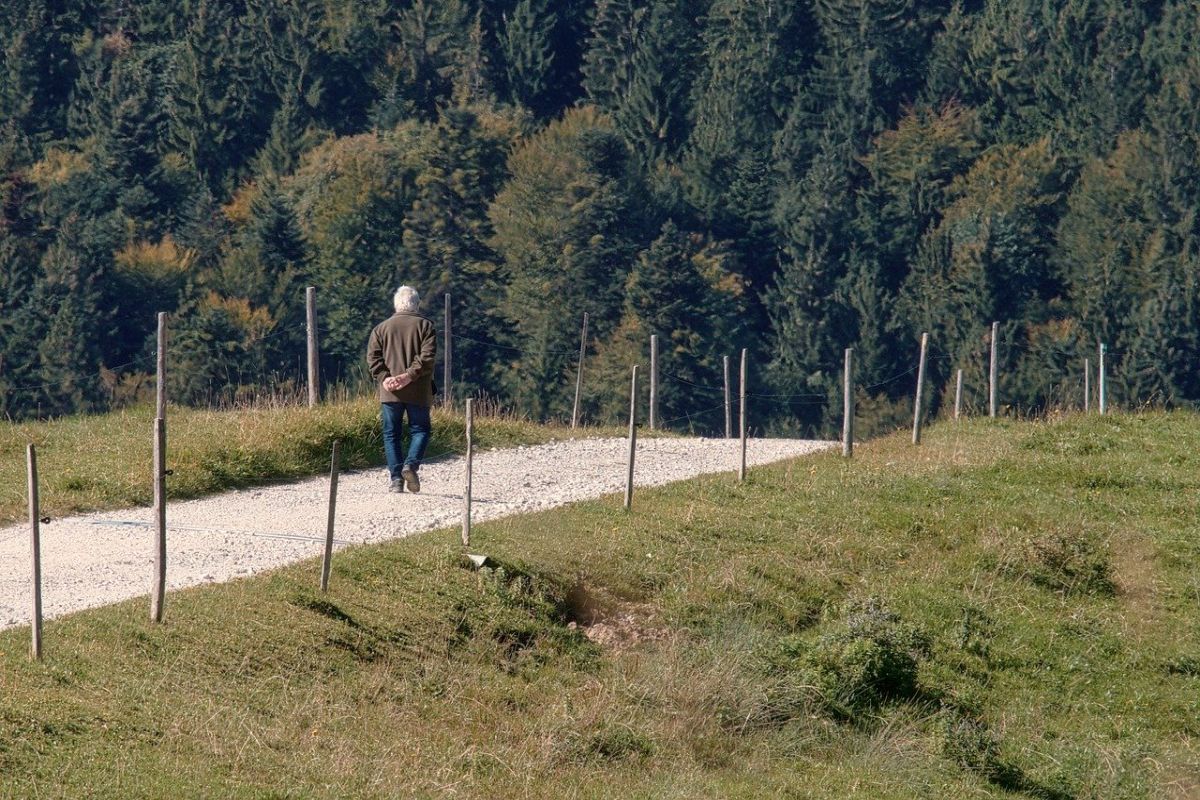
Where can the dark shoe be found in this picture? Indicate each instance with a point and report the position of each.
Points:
(411, 481)
(397, 486)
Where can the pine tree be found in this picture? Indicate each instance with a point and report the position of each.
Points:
(267, 260)
(202, 227)
(529, 55)
(1095, 81)
(755, 54)
(350, 197)
(431, 49)
(910, 169)
(37, 67)
(946, 79)
(653, 114)
(19, 274)
(608, 62)
(639, 68)
(810, 320)
(567, 227)
(687, 290)
(473, 81)
(989, 259)
(1111, 239)
(290, 58)
(118, 106)
(214, 115)
(447, 230)
(66, 342)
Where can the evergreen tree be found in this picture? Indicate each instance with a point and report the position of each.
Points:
(202, 227)
(117, 107)
(61, 327)
(1096, 81)
(755, 55)
(686, 290)
(529, 55)
(217, 348)
(988, 259)
(608, 62)
(910, 169)
(214, 115)
(432, 48)
(639, 68)
(461, 164)
(268, 249)
(37, 67)
(350, 197)
(1110, 241)
(19, 275)
(291, 59)
(566, 228)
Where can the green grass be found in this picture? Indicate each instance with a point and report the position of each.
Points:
(1010, 610)
(91, 463)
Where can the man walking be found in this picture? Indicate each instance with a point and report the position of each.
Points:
(400, 355)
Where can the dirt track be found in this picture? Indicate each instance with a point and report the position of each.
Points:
(97, 559)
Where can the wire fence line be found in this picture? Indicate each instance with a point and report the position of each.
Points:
(780, 408)
(778, 403)
(745, 400)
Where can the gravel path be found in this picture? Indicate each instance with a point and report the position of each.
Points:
(97, 559)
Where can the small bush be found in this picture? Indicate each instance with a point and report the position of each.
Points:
(975, 628)
(1183, 665)
(868, 658)
(607, 744)
(972, 745)
(1070, 562)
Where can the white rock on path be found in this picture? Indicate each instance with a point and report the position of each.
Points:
(97, 559)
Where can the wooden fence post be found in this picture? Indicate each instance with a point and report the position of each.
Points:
(160, 394)
(314, 358)
(916, 437)
(1103, 382)
(159, 475)
(654, 381)
(728, 403)
(466, 515)
(958, 396)
(579, 374)
(1087, 385)
(848, 405)
(993, 372)
(632, 439)
(447, 356)
(335, 466)
(742, 392)
(35, 541)
(159, 591)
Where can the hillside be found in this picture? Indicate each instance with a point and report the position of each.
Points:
(1006, 611)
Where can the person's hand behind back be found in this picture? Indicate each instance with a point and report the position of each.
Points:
(395, 383)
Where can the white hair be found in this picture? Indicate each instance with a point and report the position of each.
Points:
(406, 299)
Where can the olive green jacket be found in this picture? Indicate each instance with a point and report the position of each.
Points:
(404, 344)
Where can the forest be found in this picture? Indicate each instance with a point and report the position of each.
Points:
(793, 177)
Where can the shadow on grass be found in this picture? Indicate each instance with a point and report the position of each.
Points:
(366, 642)
(1014, 779)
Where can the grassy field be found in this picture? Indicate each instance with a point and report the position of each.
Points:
(98, 462)
(1010, 610)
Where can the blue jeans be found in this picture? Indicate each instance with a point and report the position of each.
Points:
(419, 427)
